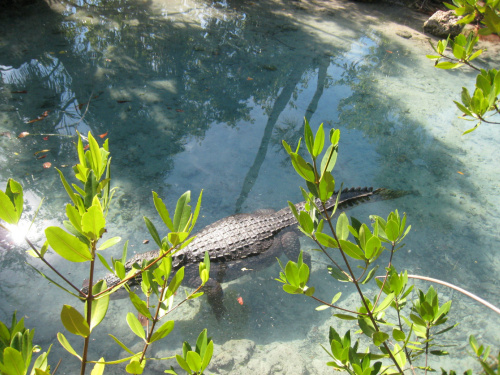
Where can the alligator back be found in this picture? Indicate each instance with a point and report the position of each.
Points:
(244, 235)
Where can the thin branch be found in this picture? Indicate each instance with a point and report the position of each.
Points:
(457, 288)
(52, 268)
(337, 307)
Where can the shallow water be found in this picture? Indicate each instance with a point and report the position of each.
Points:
(198, 95)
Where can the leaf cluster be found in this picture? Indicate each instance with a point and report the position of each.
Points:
(484, 100)
(79, 242)
(400, 342)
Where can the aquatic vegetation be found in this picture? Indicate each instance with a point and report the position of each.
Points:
(484, 101)
(81, 242)
(404, 340)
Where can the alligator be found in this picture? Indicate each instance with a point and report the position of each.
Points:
(244, 243)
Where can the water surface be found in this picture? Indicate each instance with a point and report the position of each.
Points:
(198, 95)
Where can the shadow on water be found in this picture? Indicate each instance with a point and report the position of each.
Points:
(157, 81)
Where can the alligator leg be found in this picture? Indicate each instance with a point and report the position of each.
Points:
(215, 295)
(291, 247)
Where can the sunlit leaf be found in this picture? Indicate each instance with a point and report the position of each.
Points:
(109, 242)
(98, 368)
(67, 245)
(74, 322)
(135, 325)
(7, 211)
(163, 331)
(99, 305)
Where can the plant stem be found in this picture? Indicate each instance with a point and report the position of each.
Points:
(89, 300)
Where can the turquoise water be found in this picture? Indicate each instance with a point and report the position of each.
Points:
(197, 95)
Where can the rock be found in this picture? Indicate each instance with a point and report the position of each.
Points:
(279, 359)
(443, 23)
(233, 354)
(404, 34)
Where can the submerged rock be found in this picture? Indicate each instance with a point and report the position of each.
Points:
(233, 354)
(443, 23)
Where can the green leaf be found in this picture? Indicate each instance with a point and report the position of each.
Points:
(123, 346)
(109, 242)
(338, 274)
(67, 246)
(14, 191)
(322, 307)
(93, 222)
(152, 230)
(74, 322)
(308, 137)
(95, 157)
(398, 335)
(90, 189)
(342, 227)
(290, 289)
(175, 282)
(7, 211)
(319, 142)
(329, 159)
(370, 274)
(140, 305)
(74, 198)
(182, 212)
(66, 345)
(306, 222)
(196, 211)
(345, 316)
(74, 217)
(492, 20)
(182, 362)
(352, 250)
(304, 169)
(392, 230)
(326, 240)
(13, 363)
(366, 326)
(135, 325)
(193, 360)
(163, 331)
(448, 65)
(209, 351)
(326, 186)
(379, 338)
(98, 367)
(99, 305)
(372, 246)
(135, 367)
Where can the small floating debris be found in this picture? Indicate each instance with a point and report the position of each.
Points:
(271, 68)
(39, 118)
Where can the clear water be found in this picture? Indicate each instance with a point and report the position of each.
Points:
(198, 95)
